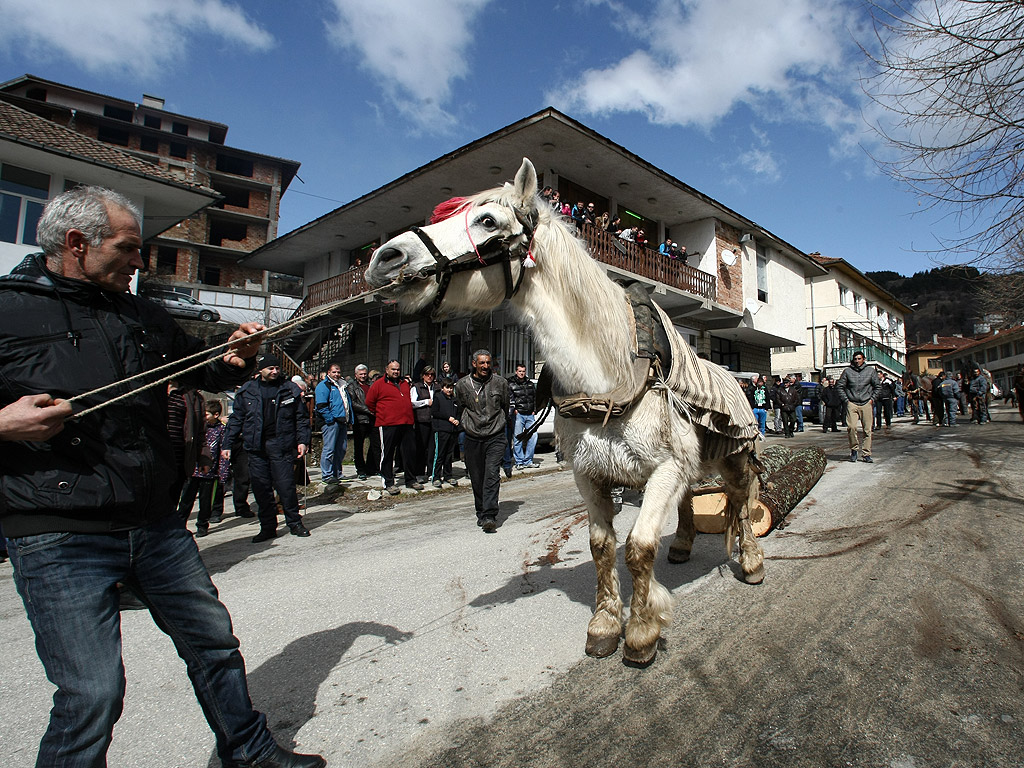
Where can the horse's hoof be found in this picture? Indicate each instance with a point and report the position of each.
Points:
(754, 577)
(678, 555)
(600, 646)
(639, 657)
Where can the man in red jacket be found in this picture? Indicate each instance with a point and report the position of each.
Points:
(391, 405)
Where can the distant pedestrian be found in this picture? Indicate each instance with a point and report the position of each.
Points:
(445, 427)
(422, 393)
(523, 395)
(950, 390)
(833, 405)
(979, 389)
(391, 404)
(210, 475)
(363, 430)
(790, 397)
(335, 408)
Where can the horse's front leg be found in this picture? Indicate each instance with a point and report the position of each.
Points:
(682, 545)
(650, 608)
(742, 486)
(605, 626)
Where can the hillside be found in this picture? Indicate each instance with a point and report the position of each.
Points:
(946, 299)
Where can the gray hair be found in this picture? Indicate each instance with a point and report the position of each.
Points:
(84, 209)
(481, 352)
(361, 367)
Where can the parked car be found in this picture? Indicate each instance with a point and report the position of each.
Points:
(183, 305)
(810, 405)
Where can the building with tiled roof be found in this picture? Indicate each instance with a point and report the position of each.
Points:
(39, 159)
(846, 311)
(927, 358)
(203, 250)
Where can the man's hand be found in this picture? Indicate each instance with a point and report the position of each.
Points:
(226, 455)
(245, 346)
(302, 450)
(35, 418)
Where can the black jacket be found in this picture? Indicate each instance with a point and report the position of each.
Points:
(523, 395)
(360, 413)
(113, 469)
(441, 410)
(245, 425)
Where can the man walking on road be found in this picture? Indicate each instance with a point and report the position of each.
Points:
(857, 387)
(272, 424)
(524, 408)
(87, 503)
(483, 412)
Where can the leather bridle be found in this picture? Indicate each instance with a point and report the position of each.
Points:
(495, 250)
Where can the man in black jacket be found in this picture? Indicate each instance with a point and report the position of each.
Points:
(271, 422)
(363, 431)
(87, 502)
(523, 394)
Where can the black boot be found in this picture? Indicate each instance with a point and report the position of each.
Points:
(265, 534)
(282, 758)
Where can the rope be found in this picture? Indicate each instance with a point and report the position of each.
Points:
(205, 354)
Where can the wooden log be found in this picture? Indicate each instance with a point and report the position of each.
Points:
(786, 487)
(780, 492)
(774, 457)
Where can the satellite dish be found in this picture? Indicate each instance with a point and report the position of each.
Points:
(728, 257)
(882, 325)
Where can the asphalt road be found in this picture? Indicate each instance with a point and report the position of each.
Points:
(889, 630)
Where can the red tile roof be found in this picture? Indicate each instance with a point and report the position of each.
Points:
(944, 344)
(25, 128)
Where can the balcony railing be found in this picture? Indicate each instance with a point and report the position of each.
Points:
(603, 246)
(343, 286)
(871, 355)
(608, 249)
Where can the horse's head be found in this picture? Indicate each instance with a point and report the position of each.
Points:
(470, 257)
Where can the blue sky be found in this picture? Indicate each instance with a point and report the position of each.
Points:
(757, 103)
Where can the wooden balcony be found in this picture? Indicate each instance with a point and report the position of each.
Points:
(644, 262)
(343, 286)
(602, 245)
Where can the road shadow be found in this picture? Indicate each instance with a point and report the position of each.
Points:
(285, 686)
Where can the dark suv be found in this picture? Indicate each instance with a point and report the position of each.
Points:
(810, 404)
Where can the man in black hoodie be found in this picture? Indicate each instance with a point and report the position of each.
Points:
(87, 503)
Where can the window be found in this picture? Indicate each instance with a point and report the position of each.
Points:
(1006, 350)
(234, 165)
(992, 354)
(227, 230)
(782, 350)
(179, 128)
(762, 274)
(211, 276)
(858, 304)
(166, 260)
(118, 113)
(1018, 347)
(149, 144)
(23, 193)
(177, 149)
(845, 297)
(871, 310)
(722, 353)
(152, 121)
(934, 362)
(233, 196)
(112, 135)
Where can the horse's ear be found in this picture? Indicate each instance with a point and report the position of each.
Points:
(526, 184)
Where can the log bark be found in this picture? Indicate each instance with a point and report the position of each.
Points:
(781, 491)
(774, 458)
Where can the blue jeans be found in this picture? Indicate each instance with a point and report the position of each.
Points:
(523, 452)
(951, 406)
(761, 415)
(68, 583)
(335, 445)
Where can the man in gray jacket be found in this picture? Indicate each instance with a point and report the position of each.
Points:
(858, 387)
(483, 405)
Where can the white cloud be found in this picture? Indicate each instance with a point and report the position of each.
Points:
(139, 36)
(415, 48)
(700, 59)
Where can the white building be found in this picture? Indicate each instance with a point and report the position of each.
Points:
(844, 311)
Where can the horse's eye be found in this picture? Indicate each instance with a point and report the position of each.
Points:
(487, 221)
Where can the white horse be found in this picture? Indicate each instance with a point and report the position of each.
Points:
(475, 259)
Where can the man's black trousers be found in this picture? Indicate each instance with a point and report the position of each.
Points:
(273, 469)
(483, 463)
(366, 433)
(398, 437)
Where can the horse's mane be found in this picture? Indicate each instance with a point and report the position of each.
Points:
(566, 276)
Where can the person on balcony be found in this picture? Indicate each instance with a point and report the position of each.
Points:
(665, 249)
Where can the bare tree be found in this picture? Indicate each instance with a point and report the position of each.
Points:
(949, 77)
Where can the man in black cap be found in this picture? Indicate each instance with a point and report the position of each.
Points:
(272, 424)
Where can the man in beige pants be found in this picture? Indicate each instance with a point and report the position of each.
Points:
(857, 387)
